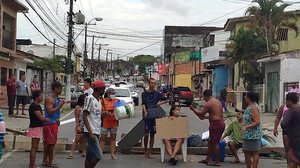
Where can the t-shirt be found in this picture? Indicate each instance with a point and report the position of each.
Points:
(291, 123)
(150, 99)
(35, 86)
(34, 120)
(109, 121)
(54, 116)
(2, 128)
(89, 91)
(234, 130)
(22, 88)
(11, 87)
(93, 106)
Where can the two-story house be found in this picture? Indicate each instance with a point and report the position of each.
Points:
(280, 69)
(8, 57)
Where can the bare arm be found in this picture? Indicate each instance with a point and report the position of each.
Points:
(145, 112)
(40, 116)
(277, 120)
(255, 117)
(50, 105)
(162, 102)
(77, 115)
(200, 113)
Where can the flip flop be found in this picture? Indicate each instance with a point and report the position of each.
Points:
(70, 157)
(204, 161)
(213, 164)
(44, 164)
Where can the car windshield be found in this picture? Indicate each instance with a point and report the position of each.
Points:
(122, 93)
(185, 89)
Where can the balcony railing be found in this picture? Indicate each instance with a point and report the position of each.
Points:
(7, 40)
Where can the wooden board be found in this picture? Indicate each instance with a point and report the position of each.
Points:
(172, 128)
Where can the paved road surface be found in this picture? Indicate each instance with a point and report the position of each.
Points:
(20, 160)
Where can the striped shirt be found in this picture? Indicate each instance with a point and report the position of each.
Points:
(2, 128)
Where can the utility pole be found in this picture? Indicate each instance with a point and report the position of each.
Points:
(92, 59)
(111, 63)
(99, 51)
(70, 49)
(85, 51)
(54, 47)
(99, 62)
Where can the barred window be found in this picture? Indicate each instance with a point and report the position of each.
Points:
(282, 34)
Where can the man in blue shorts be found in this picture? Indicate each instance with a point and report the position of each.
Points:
(151, 99)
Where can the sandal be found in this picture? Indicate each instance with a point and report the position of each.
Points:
(44, 164)
(70, 157)
(213, 164)
(234, 161)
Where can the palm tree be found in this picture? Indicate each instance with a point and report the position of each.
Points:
(244, 48)
(268, 17)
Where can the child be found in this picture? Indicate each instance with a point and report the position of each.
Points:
(2, 133)
(35, 130)
(174, 112)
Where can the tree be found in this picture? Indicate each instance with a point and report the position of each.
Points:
(244, 48)
(56, 63)
(268, 17)
(143, 61)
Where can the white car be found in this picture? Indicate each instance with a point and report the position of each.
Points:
(123, 93)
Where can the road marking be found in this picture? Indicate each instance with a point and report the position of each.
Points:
(66, 115)
(67, 121)
(7, 155)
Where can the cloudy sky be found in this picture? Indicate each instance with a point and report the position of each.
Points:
(131, 24)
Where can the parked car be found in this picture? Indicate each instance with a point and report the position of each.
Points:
(140, 84)
(134, 95)
(123, 93)
(186, 96)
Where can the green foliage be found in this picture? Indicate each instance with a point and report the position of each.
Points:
(244, 48)
(55, 63)
(142, 61)
(119, 71)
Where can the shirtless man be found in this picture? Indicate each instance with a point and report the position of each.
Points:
(216, 125)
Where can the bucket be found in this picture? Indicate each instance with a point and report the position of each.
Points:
(222, 151)
(124, 112)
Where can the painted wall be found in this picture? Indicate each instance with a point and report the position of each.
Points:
(183, 80)
(220, 79)
(293, 41)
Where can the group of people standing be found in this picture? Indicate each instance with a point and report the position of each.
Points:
(18, 92)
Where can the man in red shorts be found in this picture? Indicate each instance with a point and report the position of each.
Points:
(216, 125)
(52, 110)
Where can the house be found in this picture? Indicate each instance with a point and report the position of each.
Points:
(214, 58)
(10, 62)
(182, 46)
(279, 68)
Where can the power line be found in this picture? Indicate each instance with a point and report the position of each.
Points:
(41, 32)
(140, 49)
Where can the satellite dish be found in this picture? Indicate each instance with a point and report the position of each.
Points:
(30, 52)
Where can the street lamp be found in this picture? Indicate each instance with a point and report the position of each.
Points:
(85, 40)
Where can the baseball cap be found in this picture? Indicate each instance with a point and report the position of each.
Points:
(110, 90)
(98, 84)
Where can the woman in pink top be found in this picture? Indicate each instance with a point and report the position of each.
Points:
(280, 115)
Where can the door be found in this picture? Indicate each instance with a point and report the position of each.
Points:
(273, 92)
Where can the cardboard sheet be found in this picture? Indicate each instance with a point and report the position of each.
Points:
(176, 128)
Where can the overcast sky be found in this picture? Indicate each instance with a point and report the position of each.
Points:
(134, 18)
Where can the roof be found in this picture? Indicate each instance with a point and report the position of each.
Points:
(191, 30)
(230, 23)
(15, 4)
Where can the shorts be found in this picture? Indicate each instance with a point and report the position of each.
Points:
(35, 132)
(111, 130)
(216, 129)
(50, 133)
(252, 145)
(21, 100)
(150, 125)
(93, 150)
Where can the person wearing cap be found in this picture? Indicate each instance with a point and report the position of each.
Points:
(234, 130)
(109, 122)
(88, 90)
(50, 129)
(92, 112)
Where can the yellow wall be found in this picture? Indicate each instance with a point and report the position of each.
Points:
(184, 80)
(293, 41)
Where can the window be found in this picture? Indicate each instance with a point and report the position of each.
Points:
(21, 74)
(3, 76)
(282, 34)
(122, 93)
